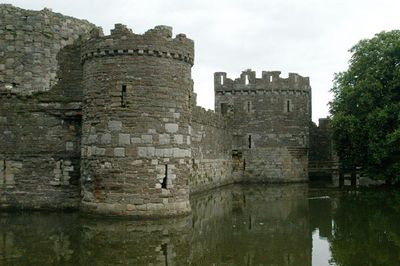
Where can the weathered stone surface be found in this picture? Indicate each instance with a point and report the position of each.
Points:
(112, 120)
(124, 139)
(171, 128)
(119, 152)
(114, 125)
(270, 119)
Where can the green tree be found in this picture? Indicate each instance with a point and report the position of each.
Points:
(366, 107)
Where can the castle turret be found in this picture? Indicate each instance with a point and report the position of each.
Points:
(136, 122)
(270, 118)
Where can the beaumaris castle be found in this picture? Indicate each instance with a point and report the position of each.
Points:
(108, 124)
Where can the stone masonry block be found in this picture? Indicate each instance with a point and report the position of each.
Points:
(171, 127)
(136, 140)
(147, 138)
(163, 139)
(124, 139)
(69, 146)
(114, 125)
(146, 151)
(178, 139)
(105, 138)
(119, 152)
(100, 151)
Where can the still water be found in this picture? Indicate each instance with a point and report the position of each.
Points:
(234, 225)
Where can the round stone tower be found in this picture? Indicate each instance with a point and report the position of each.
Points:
(136, 122)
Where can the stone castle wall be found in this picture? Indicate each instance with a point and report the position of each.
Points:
(135, 131)
(29, 44)
(40, 121)
(270, 120)
(109, 124)
(211, 150)
(323, 160)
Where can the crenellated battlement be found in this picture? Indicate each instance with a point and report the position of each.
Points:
(270, 82)
(156, 42)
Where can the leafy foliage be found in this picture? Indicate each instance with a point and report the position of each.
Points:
(366, 107)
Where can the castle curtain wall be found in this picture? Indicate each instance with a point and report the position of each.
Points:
(40, 102)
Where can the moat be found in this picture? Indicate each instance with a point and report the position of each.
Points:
(297, 224)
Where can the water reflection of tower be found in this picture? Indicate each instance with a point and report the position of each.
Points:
(278, 233)
(321, 216)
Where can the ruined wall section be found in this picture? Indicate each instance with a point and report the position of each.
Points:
(29, 44)
(211, 143)
(40, 110)
(270, 121)
(136, 155)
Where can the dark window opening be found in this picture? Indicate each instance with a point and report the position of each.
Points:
(123, 96)
(4, 171)
(164, 248)
(224, 108)
(250, 223)
(190, 101)
(248, 106)
(194, 165)
(165, 179)
(288, 106)
(249, 141)
(244, 164)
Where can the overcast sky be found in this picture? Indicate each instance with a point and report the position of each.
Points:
(309, 37)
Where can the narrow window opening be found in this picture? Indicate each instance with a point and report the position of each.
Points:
(165, 179)
(250, 223)
(224, 108)
(221, 80)
(4, 172)
(288, 106)
(190, 101)
(249, 141)
(270, 78)
(246, 79)
(123, 96)
(248, 106)
(164, 248)
(244, 164)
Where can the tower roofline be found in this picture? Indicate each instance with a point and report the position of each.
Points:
(154, 42)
